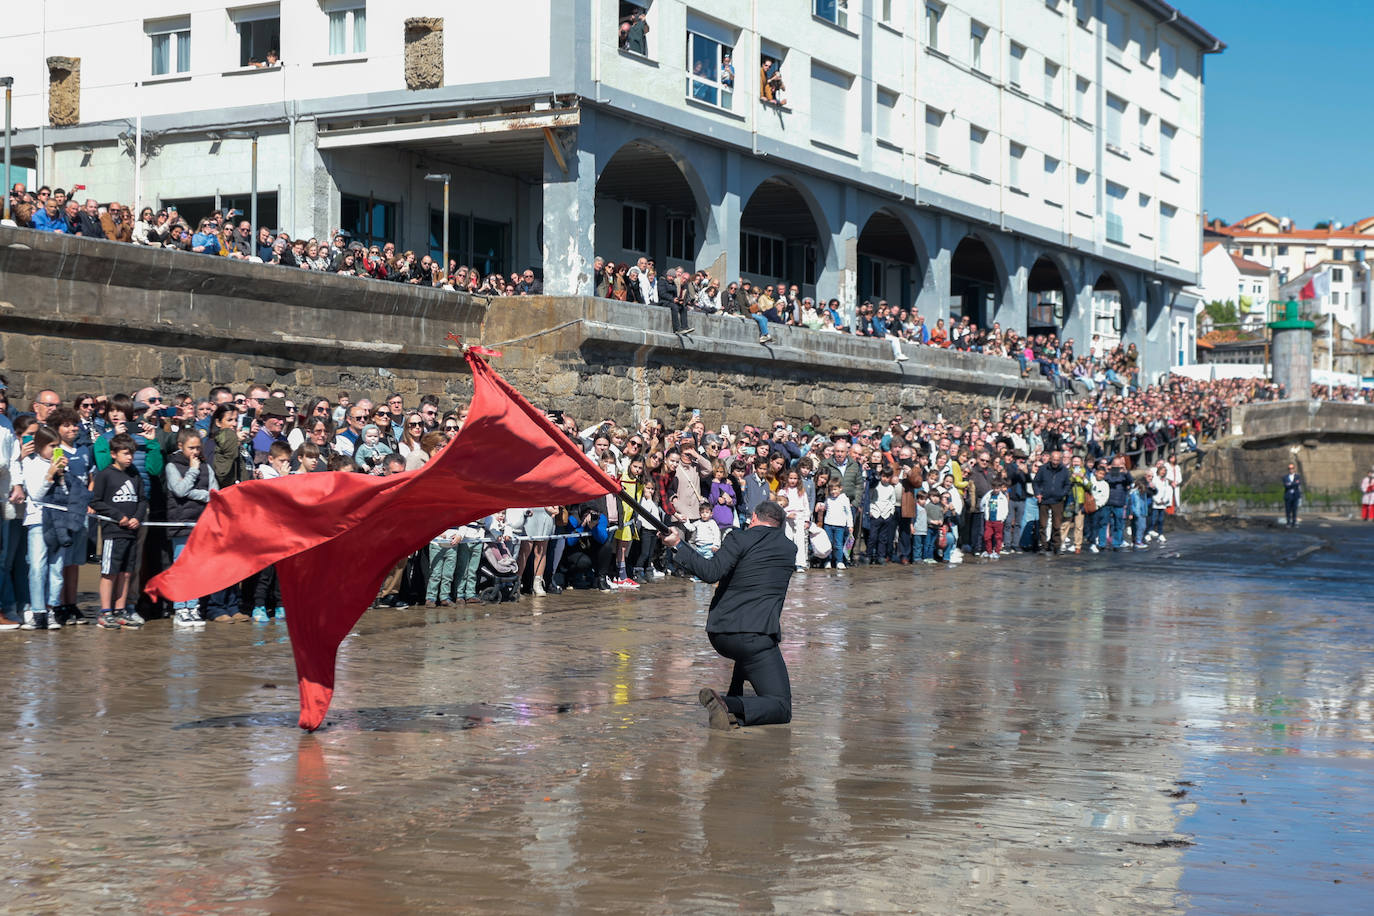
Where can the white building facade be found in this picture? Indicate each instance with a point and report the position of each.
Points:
(1035, 163)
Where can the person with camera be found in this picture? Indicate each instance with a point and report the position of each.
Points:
(752, 569)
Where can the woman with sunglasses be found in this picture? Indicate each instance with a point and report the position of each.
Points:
(412, 431)
(450, 425)
(381, 418)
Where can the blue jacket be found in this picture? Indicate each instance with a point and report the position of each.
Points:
(43, 223)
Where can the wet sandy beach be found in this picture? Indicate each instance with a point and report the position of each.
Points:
(1186, 728)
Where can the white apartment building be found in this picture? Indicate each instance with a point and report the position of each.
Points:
(1035, 163)
(1229, 277)
(1275, 242)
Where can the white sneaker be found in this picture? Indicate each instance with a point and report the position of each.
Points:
(1162, 539)
(30, 623)
(902, 357)
(840, 566)
(801, 569)
(1128, 545)
(1093, 548)
(183, 620)
(614, 583)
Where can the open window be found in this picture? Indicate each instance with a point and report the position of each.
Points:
(633, 26)
(772, 89)
(710, 61)
(259, 34)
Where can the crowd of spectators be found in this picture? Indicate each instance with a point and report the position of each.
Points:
(902, 490)
(229, 234)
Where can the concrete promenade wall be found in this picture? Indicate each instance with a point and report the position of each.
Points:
(79, 314)
(1281, 420)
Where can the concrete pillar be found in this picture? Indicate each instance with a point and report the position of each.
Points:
(1012, 306)
(839, 277)
(569, 217)
(722, 231)
(315, 187)
(1155, 351)
(932, 299)
(1078, 323)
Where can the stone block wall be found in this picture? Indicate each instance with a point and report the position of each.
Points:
(82, 315)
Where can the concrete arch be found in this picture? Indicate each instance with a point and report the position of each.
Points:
(1037, 283)
(775, 205)
(665, 147)
(1107, 279)
(889, 246)
(976, 294)
(805, 191)
(651, 201)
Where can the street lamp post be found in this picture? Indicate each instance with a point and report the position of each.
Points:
(250, 135)
(445, 177)
(8, 83)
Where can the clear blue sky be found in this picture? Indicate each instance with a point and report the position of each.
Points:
(1287, 127)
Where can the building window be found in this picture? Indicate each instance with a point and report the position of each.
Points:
(1082, 11)
(1338, 254)
(1115, 20)
(1167, 132)
(710, 66)
(1116, 115)
(1082, 101)
(682, 238)
(976, 138)
(1143, 134)
(1282, 251)
(1015, 57)
(886, 117)
(835, 12)
(1247, 252)
(1116, 221)
(831, 111)
(772, 89)
(1051, 179)
(170, 41)
(977, 34)
(1168, 66)
(885, 15)
(372, 222)
(934, 12)
(259, 32)
(347, 28)
(1140, 30)
(934, 120)
(634, 228)
(762, 255)
(1167, 212)
(1015, 153)
(1052, 84)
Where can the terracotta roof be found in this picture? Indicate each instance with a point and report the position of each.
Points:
(1246, 266)
(1230, 336)
(1363, 225)
(1364, 341)
(1255, 218)
(1208, 246)
(1304, 234)
(1204, 344)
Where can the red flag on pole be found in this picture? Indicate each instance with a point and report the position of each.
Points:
(1309, 291)
(335, 536)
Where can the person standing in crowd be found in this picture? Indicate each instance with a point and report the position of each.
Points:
(1051, 485)
(189, 484)
(1367, 496)
(117, 494)
(1292, 494)
(744, 622)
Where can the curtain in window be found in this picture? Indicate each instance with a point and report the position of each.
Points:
(162, 46)
(338, 36)
(359, 30)
(184, 51)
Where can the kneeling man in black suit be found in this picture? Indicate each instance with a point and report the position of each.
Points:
(752, 569)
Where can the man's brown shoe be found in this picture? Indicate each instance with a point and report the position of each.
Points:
(717, 716)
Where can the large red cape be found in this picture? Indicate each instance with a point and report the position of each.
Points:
(334, 536)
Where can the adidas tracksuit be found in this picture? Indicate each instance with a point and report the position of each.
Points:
(118, 495)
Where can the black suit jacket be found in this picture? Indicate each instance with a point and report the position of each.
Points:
(752, 569)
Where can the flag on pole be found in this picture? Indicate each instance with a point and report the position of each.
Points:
(1321, 286)
(334, 536)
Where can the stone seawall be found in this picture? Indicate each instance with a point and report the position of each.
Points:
(84, 315)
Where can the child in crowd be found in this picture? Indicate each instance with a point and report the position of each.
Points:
(995, 507)
(371, 451)
(67, 532)
(704, 533)
(118, 495)
(189, 485)
(920, 524)
(1138, 511)
(935, 524)
(838, 521)
(443, 558)
(266, 591)
(648, 534)
(42, 473)
(467, 556)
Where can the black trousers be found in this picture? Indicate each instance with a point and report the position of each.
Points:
(678, 311)
(1290, 507)
(1051, 515)
(904, 537)
(975, 531)
(880, 534)
(759, 661)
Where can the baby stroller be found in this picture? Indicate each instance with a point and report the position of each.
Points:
(496, 574)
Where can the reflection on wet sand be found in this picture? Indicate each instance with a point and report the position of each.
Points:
(1017, 736)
